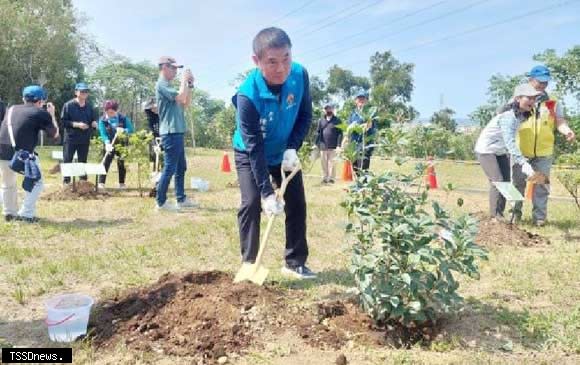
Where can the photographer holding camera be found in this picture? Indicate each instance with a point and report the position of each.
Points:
(18, 139)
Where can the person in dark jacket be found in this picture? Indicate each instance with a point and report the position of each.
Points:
(151, 112)
(155, 150)
(19, 132)
(273, 116)
(111, 124)
(79, 120)
(328, 139)
(2, 110)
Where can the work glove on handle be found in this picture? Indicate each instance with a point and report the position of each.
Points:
(272, 206)
(108, 148)
(527, 169)
(120, 130)
(290, 160)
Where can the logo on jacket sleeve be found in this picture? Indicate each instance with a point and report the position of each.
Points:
(290, 100)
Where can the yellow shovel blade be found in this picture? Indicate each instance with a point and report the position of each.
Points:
(257, 274)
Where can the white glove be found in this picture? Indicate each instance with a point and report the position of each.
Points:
(108, 147)
(290, 160)
(272, 206)
(157, 149)
(120, 130)
(527, 169)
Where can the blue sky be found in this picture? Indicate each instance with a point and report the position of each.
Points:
(214, 38)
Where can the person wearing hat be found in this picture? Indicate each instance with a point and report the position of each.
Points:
(536, 141)
(78, 119)
(273, 116)
(171, 104)
(111, 124)
(357, 118)
(496, 145)
(328, 139)
(19, 132)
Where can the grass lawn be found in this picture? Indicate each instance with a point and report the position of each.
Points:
(524, 310)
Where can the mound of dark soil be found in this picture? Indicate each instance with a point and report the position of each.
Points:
(497, 233)
(84, 191)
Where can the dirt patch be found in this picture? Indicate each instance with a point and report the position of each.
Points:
(200, 315)
(497, 233)
(55, 169)
(205, 316)
(340, 323)
(84, 191)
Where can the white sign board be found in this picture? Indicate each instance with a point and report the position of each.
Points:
(72, 169)
(95, 169)
(508, 191)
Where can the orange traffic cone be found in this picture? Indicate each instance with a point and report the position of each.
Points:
(430, 176)
(225, 165)
(346, 171)
(530, 190)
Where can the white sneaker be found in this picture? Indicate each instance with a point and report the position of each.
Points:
(188, 204)
(122, 186)
(167, 207)
(101, 186)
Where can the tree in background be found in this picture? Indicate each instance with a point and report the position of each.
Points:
(342, 84)
(127, 82)
(565, 70)
(500, 91)
(392, 87)
(40, 43)
(444, 119)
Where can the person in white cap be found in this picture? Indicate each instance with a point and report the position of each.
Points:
(536, 138)
(496, 145)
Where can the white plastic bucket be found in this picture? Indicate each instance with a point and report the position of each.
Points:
(199, 184)
(68, 316)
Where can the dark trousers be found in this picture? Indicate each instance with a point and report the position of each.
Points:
(497, 169)
(68, 152)
(120, 167)
(249, 214)
(363, 163)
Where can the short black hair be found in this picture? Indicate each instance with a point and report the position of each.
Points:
(270, 38)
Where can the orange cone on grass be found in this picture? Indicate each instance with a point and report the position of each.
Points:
(346, 171)
(225, 165)
(430, 175)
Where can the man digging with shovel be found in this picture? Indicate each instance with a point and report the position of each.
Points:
(274, 112)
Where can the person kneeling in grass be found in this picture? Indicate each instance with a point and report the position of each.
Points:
(497, 143)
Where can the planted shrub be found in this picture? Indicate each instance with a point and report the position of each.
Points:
(405, 252)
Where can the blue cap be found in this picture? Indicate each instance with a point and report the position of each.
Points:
(81, 86)
(362, 94)
(540, 73)
(33, 93)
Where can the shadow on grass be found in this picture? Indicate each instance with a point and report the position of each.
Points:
(84, 223)
(496, 328)
(564, 225)
(328, 277)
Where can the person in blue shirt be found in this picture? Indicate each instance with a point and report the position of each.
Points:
(110, 124)
(357, 118)
(171, 105)
(273, 116)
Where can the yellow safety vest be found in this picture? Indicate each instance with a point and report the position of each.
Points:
(536, 134)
